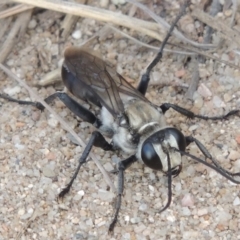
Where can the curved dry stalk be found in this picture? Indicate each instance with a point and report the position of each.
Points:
(148, 45)
(166, 25)
(63, 123)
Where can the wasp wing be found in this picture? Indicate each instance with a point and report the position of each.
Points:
(89, 78)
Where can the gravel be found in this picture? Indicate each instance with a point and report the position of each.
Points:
(38, 158)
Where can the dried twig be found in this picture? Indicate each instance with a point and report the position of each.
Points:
(195, 79)
(64, 124)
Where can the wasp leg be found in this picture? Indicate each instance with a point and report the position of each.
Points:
(143, 85)
(126, 163)
(71, 104)
(189, 114)
(96, 140)
(119, 195)
(122, 166)
(35, 104)
(205, 152)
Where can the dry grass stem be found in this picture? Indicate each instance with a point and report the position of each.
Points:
(4, 23)
(148, 45)
(67, 25)
(17, 30)
(15, 10)
(51, 77)
(166, 25)
(63, 123)
(148, 28)
(226, 32)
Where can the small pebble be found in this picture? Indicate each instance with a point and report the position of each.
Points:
(104, 3)
(81, 193)
(228, 13)
(187, 200)
(236, 201)
(143, 207)
(202, 211)
(217, 101)
(238, 139)
(48, 172)
(52, 122)
(21, 211)
(12, 91)
(75, 220)
(32, 24)
(186, 211)
(227, 97)
(204, 91)
(234, 155)
(180, 73)
(77, 34)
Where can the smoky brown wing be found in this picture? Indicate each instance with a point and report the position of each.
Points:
(93, 80)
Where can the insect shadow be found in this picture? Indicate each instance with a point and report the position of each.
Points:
(135, 125)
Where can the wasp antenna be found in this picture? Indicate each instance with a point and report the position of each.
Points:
(169, 175)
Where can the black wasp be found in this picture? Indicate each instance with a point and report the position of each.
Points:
(135, 125)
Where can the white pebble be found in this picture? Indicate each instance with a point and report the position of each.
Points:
(171, 218)
(143, 207)
(32, 24)
(178, 187)
(204, 91)
(151, 219)
(77, 34)
(234, 155)
(187, 200)
(202, 211)
(10, 62)
(52, 122)
(21, 211)
(151, 188)
(75, 220)
(217, 101)
(186, 211)
(105, 195)
(116, 2)
(89, 222)
(12, 91)
(193, 128)
(81, 193)
(104, 3)
(236, 201)
(108, 166)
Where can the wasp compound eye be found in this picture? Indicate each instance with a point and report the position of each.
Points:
(150, 157)
(179, 137)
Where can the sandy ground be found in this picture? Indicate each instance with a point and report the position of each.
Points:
(38, 158)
